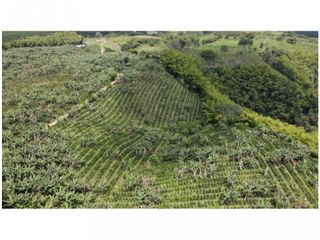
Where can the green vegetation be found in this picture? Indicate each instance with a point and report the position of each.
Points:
(38, 163)
(202, 166)
(180, 41)
(54, 39)
(187, 68)
(267, 92)
(217, 107)
(292, 40)
(245, 41)
(224, 48)
(135, 42)
(8, 36)
(181, 120)
(209, 55)
(299, 66)
(298, 133)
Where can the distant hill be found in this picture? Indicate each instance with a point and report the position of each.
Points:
(13, 35)
(308, 33)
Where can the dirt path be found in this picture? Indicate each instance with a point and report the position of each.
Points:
(79, 106)
(101, 46)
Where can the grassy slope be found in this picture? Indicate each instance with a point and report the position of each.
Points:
(269, 40)
(115, 42)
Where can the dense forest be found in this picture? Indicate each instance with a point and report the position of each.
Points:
(265, 91)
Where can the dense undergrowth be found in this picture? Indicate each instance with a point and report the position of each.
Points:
(186, 67)
(299, 66)
(260, 88)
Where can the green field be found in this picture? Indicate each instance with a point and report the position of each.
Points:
(115, 124)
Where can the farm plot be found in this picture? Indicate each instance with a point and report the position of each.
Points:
(143, 139)
(214, 168)
(122, 130)
(140, 143)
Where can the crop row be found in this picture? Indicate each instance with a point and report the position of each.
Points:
(109, 124)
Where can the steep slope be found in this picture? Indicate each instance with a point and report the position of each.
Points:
(151, 139)
(144, 140)
(123, 127)
(264, 90)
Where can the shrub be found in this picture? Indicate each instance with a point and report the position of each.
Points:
(86, 142)
(224, 48)
(149, 196)
(126, 59)
(229, 196)
(134, 51)
(298, 153)
(73, 85)
(132, 182)
(257, 189)
(209, 40)
(279, 38)
(292, 40)
(203, 169)
(224, 112)
(245, 41)
(135, 42)
(147, 193)
(209, 55)
(107, 49)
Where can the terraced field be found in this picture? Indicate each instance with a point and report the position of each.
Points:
(232, 186)
(143, 127)
(119, 121)
(128, 129)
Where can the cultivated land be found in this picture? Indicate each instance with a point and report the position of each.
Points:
(137, 132)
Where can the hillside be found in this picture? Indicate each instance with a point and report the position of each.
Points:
(150, 127)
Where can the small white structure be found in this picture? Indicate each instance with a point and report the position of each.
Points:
(81, 45)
